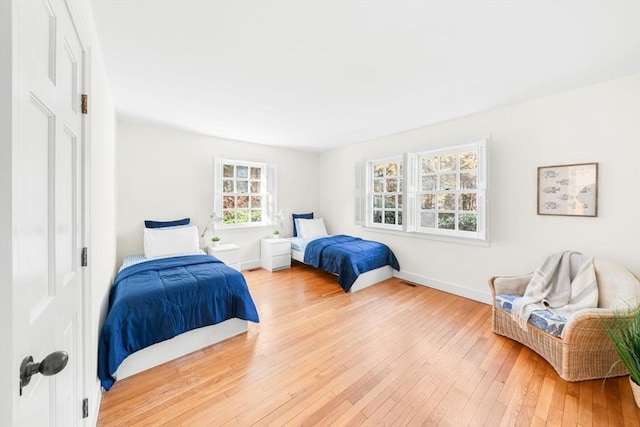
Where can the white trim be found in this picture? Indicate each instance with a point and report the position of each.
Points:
(8, 64)
(455, 289)
(432, 236)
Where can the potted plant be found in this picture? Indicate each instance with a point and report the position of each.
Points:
(276, 234)
(624, 332)
(215, 241)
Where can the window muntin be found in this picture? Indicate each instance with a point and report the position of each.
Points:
(386, 193)
(244, 192)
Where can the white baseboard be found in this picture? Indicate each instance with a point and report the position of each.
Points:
(484, 297)
(250, 265)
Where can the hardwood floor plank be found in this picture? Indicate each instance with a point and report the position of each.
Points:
(391, 354)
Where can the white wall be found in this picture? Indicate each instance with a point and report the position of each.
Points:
(166, 174)
(600, 123)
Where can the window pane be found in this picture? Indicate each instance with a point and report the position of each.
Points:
(428, 219)
(227, 171)
(428, 201)
(399, 217)
(243, 201)
(228, 202)
(390, 202)
(467, 202)
(429, 183)
(243, 186)
(256, 215)
(448, 162)
(400, 201)
(392, 185)
(377, 201)
(242, 172)
(447, 202)
(255, 186)
(447, 221)
(468, 181)
(377, 217)
(390, 217)
(229, 217)
(392, 169)
(227, 185)
(429, 164)
(469, 160)
(378, 186)
(378, 170)
(256, 173)
(242, 216)
(256, 201)
(468, 222)
(448, 181)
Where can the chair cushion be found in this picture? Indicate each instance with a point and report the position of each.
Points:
(545, 320)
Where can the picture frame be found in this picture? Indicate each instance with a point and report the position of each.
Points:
(568, 190)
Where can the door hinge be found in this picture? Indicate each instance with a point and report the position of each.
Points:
(84, 98)
(83, 257)
(85, 407)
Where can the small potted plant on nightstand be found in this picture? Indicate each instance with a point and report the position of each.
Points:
(215, 241)
(276, 234)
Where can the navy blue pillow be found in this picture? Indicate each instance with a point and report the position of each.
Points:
(162, 224)
(303, 216)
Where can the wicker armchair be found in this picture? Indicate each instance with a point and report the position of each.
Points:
(583, 352)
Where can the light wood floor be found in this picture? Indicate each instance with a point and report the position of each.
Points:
(391, 354)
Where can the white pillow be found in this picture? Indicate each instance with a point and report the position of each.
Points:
(311, 228)
(171, 241)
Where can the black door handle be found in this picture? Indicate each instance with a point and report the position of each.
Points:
(50, 365)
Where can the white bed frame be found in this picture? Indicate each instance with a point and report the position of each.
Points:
(364, 280)
(178, 346)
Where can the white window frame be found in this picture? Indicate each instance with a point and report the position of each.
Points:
(454, 192)
(412, 190)
(372, 194)
(268, 187)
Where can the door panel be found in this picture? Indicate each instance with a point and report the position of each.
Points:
(47, 211)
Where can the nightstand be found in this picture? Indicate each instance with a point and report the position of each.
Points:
(275, 254)
(228, 253)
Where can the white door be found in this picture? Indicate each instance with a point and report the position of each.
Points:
(47, 209)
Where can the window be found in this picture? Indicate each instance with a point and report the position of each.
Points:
(244, 193)
(451, 192)
(386, 193)
(440, 192)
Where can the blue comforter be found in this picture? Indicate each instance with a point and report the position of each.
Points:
(159, 299)
(348, 257)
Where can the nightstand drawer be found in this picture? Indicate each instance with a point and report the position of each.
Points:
(281, 248)
(281, 261)
(227, 253)
(275, 254)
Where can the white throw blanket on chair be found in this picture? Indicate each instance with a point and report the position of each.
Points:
(554, 288)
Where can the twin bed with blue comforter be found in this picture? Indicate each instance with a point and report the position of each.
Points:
(347, 256)
(159, 299)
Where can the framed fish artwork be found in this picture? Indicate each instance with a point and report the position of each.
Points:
(568, 190)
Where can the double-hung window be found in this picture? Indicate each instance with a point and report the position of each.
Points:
(451, 191)
(244, 193)
(439, 192)
(386, 196)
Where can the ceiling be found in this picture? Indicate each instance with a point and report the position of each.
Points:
(317, 75)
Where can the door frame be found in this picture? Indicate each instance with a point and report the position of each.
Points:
(8, 138)
(7, 64)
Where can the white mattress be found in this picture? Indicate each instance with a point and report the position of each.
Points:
(137, 259)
